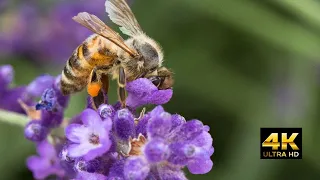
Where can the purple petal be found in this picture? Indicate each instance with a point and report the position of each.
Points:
(136, 168)
(200, 165)
(76, 132)
(9, 99)
(177, 120)
(142, 91)
(140, 87)
(90, 176)
(141, 127)
(51, 119)
(156, 111)
(91, 118)
(35, 162)
(160, 125)
(203, 140)
(78, 150)
(166, 172)
(93, 153)
(42, 167)
(190, 130)
(41, 83)
(116, 170)
(46, 150)
(177, 155)
(160, 97)
(156, 151)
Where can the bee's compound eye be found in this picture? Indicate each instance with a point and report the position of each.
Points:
(155, 80)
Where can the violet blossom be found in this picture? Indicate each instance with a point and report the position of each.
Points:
(90, 139)
(10, 96)
(47, 163)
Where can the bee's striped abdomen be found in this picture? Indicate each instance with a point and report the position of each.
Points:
(93, 52)
(76, 72)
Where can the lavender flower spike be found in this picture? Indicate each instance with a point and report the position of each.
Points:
(46, 163)
(142, 91)
(90, 139)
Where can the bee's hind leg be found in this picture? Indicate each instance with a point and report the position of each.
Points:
(98, 86)
(121, 87)
(94, 84)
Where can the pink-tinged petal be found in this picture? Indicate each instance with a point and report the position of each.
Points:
(78, 150)
(76, 133)
(91, 118)
(45, 149)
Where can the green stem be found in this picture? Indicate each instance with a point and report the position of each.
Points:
(13, 118)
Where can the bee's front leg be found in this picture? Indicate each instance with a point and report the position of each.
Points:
(121, 86)
(98, 85)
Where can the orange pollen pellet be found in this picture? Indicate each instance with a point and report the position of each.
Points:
(93, 89)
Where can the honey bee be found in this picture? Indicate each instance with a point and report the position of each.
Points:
(106, 53)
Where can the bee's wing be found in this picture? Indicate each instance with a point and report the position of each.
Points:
(93, 23)
(121, 14)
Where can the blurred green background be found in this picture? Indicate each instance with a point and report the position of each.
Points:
(239, 65)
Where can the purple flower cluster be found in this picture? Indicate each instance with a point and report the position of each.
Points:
(41, 32)
(109, 142)
(11, 97)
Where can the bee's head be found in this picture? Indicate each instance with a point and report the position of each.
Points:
(163, 78)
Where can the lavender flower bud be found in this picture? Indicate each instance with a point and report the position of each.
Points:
(106, 111)
(124, 124)
(35, 131)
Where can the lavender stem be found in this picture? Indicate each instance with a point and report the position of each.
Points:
(13, 118)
